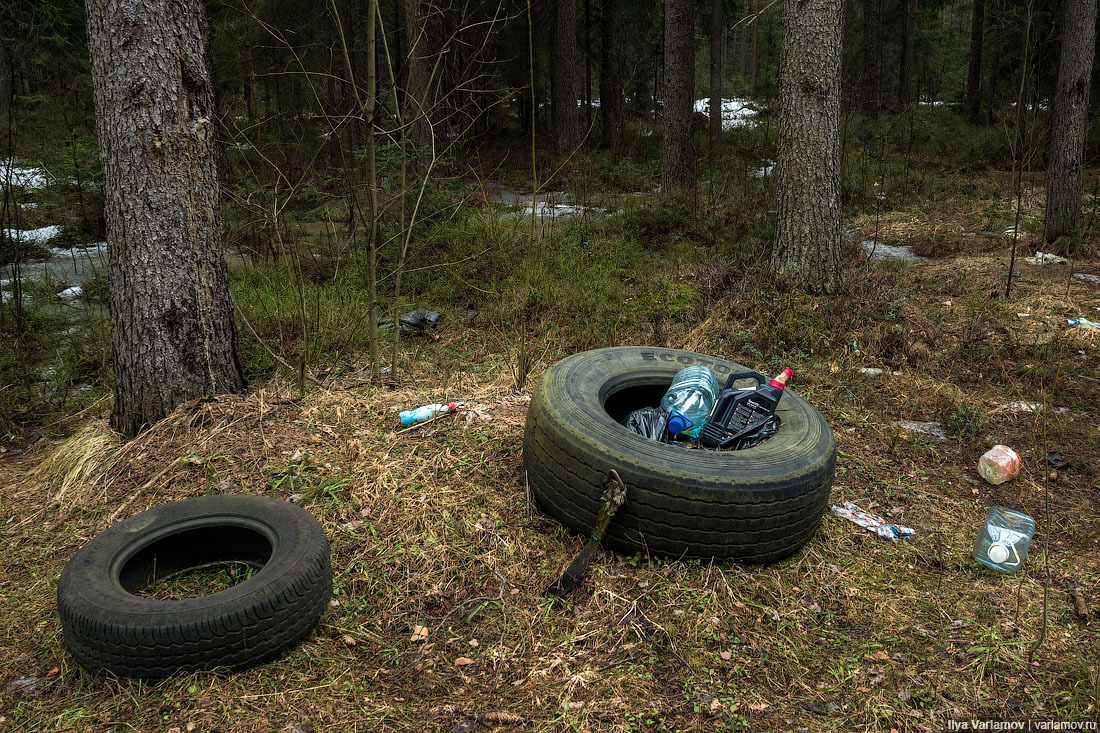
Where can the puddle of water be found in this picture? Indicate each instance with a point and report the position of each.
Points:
(551, 204)
(880, 251)
(735, 112)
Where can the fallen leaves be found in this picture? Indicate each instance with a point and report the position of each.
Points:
(419, 634)
(463, 662)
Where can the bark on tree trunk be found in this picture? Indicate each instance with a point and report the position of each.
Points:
(611, 77)
(563, 76)
(908, 41)
(744, 36)
(421, 43)
(6, 86)
(870, 57)
(753, 72)
(974, 72)
(677, 150)
(807, 251)
(1069, 117)
(172, 330)
(717, 35)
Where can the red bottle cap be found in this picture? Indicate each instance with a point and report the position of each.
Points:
(780, 382)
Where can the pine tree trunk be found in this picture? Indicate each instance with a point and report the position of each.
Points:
(172, 330)
(611, 76)
(563, 76)
(6, 85)
(755, 63)
(717, 36)
(744, 39)
(871, 32)
(807, 251)
(1069, 117)
(421, 44)
(974, 72)
(677, 150)
(908, 41)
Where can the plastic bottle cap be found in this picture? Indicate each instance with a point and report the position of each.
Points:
(998, 553)
(677, 423)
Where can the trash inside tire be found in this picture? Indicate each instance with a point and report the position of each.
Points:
(109, 626)
(754, 505)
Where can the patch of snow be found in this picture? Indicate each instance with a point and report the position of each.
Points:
(35, 236)
(27, 178)
(1086, 277)
(880, 251)
(765, 170)
(69, 293)
(735, 112)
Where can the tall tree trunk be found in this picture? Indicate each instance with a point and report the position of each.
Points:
(717, 37)
(611, 76)
(974, 72)
(807, 251)
(563, 76)
(871, 32)
(421, 43)
(588, 64)
(908, 41)
(1069, 118)
(755, 61)
(677, 150)
(6, 86)
(172, 330)
(744, 40)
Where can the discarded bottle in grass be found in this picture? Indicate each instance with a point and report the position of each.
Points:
(739, 413)
(425, 413)
(999, 464)
(1003, 540)
(689, 400)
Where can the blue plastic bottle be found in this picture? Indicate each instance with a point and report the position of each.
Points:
(1003, 540)
(690, 399)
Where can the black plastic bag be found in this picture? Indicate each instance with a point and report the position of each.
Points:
(649, 422)
(766, 430)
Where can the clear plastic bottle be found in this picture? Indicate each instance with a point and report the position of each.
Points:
(689, 400)
(1003, 540)
(425, 413)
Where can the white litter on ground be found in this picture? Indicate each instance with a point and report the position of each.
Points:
(934, 429)
(735, 112)
(1086, 277)
(1045, 258)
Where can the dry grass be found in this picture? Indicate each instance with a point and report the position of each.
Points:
(434, 527)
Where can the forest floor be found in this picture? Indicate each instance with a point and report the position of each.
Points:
(435, 527)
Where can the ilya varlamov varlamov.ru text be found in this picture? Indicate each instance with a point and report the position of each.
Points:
(1024, 725)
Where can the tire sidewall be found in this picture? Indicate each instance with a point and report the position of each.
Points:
(91, 575)
(570, 400)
